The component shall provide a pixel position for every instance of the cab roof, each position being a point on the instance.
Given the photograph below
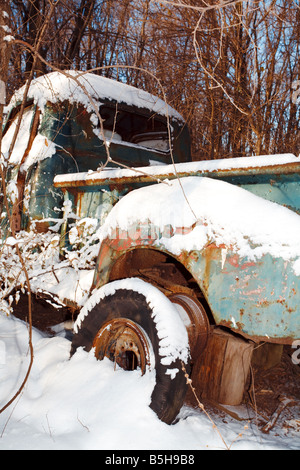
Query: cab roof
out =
(83, 87)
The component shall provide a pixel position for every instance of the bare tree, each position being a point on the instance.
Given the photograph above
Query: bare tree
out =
(227, 66)
(5, 49)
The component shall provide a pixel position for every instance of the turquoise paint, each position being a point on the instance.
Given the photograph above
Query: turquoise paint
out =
(255, 297)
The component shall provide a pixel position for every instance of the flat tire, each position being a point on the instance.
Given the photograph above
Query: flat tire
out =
(121, 323)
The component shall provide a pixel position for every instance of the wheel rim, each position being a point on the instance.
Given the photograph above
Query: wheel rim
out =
(195, 319)
(124, 343)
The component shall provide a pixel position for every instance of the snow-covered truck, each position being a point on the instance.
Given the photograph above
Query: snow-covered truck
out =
(182, 248)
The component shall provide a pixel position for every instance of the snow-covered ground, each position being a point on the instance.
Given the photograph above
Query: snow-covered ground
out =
(81, 403)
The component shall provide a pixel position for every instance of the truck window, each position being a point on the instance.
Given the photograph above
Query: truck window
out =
(132, 128)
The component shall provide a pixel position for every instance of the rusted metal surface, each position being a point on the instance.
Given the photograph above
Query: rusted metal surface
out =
(195, 320)
(124, 343)
(148, 174)
(257, 299)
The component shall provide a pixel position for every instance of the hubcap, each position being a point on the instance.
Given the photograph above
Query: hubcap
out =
(124, 343)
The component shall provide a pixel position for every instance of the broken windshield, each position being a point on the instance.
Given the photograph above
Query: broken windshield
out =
(134, 128)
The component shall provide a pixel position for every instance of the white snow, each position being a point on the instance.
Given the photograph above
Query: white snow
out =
(216, 211)
(41, 146)
(81, 403)
(9, 38)
(41, 149)
(204, 166)
(22, 137)
(62, 86)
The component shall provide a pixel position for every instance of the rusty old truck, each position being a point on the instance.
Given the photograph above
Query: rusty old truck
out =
(181, 248)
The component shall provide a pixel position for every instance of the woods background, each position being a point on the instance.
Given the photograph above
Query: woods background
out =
(229, 67)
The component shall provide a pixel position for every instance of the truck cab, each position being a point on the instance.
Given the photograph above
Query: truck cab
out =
(76, 122)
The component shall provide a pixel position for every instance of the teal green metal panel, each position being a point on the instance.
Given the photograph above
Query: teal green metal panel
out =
(284, 189)
(257, 298)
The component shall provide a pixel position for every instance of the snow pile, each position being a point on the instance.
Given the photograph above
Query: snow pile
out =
(81, 403)
(213, 211)
(41, 149)
(69, 279)
(83, 88)
(173, 338)
(21, 140)
(41, 146)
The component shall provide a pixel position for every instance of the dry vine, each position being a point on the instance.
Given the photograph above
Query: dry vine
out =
(202, 408)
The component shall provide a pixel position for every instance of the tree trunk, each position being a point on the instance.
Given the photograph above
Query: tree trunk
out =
(5, 50)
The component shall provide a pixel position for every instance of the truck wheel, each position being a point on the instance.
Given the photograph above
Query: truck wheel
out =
(134, 325)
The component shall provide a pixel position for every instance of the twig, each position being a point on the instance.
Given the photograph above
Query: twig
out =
(284, 402)
(10, 414)
(216, 6)
(50, 432)
(201, 406)
(83, 425)
(54, 274)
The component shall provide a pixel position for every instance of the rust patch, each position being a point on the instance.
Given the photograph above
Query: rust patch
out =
(122, 341)
(256, 338)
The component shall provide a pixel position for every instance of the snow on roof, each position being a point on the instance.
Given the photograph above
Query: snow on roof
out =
(75, 87)
(205, 166)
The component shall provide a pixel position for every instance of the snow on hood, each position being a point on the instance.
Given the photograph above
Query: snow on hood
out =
(75, 86)
(214, 211)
